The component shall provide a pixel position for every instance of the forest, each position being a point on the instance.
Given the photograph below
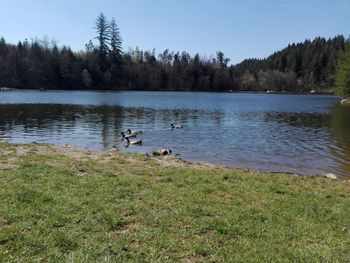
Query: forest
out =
(301, 67)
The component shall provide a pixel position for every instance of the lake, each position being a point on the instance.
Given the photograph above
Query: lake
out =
(303, 134)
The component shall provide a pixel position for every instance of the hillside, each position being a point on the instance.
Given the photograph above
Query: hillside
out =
(299, 67)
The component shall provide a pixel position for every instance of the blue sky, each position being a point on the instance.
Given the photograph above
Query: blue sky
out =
(239, 28)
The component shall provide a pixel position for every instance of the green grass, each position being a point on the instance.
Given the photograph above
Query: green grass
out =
(114, 207)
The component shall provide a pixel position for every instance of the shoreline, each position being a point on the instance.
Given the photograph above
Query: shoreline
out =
(68, 150)
(66, 204)
(326, 93)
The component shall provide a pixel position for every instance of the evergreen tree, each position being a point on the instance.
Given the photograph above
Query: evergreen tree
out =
(89, 46)
(103, 35)
(343, 74)
(313, 63)
(299, 67)
(114, 76)
(115, 39)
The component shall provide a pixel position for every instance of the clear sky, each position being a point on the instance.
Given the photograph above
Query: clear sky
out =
(239, 28)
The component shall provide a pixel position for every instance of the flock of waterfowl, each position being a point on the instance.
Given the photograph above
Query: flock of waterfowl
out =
(130, 136)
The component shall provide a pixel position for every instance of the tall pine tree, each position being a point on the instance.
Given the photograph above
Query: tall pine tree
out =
(103, 36)
(115, 39)
(115, 54)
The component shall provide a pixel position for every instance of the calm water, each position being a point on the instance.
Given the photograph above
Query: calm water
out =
(304, 134)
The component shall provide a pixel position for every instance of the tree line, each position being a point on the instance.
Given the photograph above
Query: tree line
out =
(343, 74)
(103, 64)
(301, 67)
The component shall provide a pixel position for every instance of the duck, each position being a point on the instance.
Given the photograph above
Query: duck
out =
(176, 126)
(136, 132)
(137, 142)
(128, 135)
(161, 152)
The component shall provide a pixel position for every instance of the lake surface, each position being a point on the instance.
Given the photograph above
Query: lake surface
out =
(303, 134)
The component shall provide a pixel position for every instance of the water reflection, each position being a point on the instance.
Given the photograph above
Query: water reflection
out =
(340, 132)
(299, 134)
(96, 127)
(327, 135)
(303, 119)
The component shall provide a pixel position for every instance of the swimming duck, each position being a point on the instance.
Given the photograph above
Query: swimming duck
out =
(176, 126)
(136, 132)
(128, 135)
(138, 142)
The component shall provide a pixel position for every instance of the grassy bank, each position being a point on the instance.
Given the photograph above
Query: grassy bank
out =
(63, 204)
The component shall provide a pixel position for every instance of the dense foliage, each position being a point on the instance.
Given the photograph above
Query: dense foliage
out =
(39, 63)
(343, 74)
(306, 66)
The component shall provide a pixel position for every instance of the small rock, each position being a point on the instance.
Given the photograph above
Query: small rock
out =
(146, 155)
(331, 176)
(162, 152)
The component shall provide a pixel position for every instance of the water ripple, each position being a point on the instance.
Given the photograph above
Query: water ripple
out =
(299, 134)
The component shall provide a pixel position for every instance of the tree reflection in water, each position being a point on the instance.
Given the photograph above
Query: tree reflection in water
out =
(273, 133)
(340, 132)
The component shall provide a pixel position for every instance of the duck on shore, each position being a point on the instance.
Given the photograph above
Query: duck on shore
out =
(161, 152)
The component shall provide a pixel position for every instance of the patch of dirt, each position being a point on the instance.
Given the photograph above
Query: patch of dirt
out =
(188, 259)
(74, 153)
(173, 161)
(8, 161)
(3, 222)
(8, 166)
(135, 244)
(104, 157)
(129, 227)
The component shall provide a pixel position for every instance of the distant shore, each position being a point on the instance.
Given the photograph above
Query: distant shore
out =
(227, 91)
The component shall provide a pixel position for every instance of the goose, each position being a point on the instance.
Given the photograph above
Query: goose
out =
(162, 152)
(128, 135)
(138, 142)
(176, 126)
(136, 132)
